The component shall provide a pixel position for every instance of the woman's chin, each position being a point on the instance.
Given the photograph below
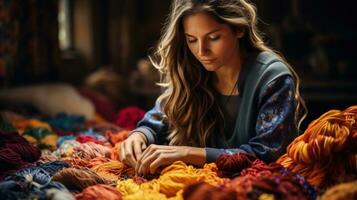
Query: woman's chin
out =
(210, 68)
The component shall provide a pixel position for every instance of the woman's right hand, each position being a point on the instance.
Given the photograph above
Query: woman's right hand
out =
(132, 148)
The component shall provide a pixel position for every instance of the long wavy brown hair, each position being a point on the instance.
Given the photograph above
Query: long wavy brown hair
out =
(188, 103)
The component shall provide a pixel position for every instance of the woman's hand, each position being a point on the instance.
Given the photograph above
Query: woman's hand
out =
(132, 148)
(156, 156)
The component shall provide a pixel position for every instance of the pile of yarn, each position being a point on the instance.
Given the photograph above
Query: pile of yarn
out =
(326, 154)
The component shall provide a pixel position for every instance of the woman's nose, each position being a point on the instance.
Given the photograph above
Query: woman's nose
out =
(202, 48)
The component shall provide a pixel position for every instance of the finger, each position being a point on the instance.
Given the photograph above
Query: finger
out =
(143, 168)
(122, 152)
(144, 154)
(143, 146)
(129, 154)
(157, 156)
(166, 158)
(160, 161)
(138, 151)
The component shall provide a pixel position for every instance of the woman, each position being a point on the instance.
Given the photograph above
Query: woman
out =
(225, 91)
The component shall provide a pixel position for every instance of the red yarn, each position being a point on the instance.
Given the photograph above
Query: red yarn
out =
(27, 152)
(283, 186)
(61, 132)
(115, 137)
(102, 105)
(235, 162)
(15, 153)
(260, 168)
(86, 138)
(205, 191)
(139, 180)
(128, 117)
(10, 158)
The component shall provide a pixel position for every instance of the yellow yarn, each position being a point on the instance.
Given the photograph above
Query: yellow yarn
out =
(146, 191)
(266, 196)
(341, 191)
(171, 182)
(176, 176)
(30, 139)
(50, 141)
(110, 170)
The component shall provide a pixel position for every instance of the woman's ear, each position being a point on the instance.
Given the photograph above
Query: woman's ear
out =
(239, 32)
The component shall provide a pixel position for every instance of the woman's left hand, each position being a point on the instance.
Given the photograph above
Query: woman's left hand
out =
(156, 156)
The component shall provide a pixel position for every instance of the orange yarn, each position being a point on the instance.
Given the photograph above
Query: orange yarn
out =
(78, 179)
(100, 191)
(324, 147)
(114, 154)
(115, 137)
(112, 170)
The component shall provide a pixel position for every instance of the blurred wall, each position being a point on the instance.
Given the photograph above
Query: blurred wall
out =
(317, 37)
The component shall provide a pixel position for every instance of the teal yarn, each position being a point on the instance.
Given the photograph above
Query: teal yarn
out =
(38, 133)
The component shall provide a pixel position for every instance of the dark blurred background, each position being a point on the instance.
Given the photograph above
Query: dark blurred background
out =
(47, 41)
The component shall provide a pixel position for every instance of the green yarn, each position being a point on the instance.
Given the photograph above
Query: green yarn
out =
(38, 133)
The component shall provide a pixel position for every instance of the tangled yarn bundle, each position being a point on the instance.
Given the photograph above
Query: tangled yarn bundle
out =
(91, 150)
(327, 149)
(341, 191)
(99, 191)
(33, 183)
(258, 180)
(229, 165)
(205, 191)
(15, 153)
(78, 179)
(171, 181)
(112, 170)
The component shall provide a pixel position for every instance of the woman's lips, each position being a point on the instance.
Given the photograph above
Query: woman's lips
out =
(207, 61)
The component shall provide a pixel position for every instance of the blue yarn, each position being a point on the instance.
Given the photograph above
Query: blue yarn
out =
(61, 139)
(66, 122)
(20, 185)
(12, 190)
(37, 175)
(40, 192)
(53, 167)
(22, 189)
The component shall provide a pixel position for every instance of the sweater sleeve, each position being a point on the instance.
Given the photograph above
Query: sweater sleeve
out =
(275, 124)
(153, 126)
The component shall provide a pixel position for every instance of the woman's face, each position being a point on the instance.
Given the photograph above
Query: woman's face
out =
(214, 44)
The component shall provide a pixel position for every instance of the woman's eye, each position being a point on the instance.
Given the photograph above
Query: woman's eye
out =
(214, 37)
(191, 40)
